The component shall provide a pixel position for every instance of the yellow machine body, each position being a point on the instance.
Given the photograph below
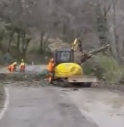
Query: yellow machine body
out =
(67, 70)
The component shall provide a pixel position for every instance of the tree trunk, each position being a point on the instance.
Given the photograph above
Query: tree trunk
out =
(10, 39)
(41, 42)
(18, 42)
(115, 37)
(27, 41)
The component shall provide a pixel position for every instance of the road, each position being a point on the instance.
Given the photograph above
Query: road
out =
(104, 107)
(36, 107)
(55, 107)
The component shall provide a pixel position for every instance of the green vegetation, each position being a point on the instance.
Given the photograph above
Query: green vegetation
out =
(2, 95)
(113, 70)
(104, 67)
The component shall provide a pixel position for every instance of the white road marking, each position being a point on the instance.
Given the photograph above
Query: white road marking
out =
(6, 103)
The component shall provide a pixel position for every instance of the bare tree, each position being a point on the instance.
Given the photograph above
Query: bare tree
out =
(117, 43)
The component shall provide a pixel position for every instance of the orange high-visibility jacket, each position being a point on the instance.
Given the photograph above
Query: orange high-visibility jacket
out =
(51, 66)
(11, 68)
(22, 66)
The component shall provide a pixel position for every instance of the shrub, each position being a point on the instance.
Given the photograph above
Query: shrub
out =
(104, 67)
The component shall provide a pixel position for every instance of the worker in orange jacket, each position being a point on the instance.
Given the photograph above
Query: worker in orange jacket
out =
(12, 67)
(22, 66)
(50, 68)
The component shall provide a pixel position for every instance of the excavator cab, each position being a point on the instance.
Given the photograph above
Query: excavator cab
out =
(67, 55)
(64, 55)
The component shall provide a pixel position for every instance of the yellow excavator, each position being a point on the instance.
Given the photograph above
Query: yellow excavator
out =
(68, 65)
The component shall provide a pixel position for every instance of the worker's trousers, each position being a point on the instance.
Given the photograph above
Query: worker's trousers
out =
(50, 76)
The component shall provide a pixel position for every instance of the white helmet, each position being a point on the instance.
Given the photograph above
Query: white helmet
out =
(15, 63)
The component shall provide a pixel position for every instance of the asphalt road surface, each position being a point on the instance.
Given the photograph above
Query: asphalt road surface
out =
(55, 107)
(36, 107)
(104, 107)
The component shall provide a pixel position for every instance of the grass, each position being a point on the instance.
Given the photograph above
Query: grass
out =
(2, 95)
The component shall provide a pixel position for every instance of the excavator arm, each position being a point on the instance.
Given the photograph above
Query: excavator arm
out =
(76, 50)
(77, 45)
